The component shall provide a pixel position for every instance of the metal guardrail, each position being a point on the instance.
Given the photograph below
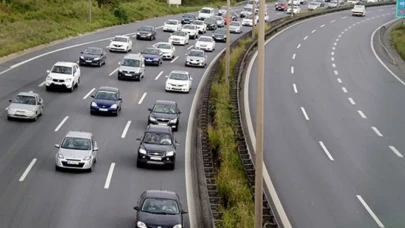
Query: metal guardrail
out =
(269, 218)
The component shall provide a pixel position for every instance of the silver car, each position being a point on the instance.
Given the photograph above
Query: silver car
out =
(220, 21)
(26, 105)
(167, 49)
(196, 58)
(235, 27)
(77, 151)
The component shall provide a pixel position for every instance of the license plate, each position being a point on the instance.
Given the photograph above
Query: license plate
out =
(162, 124)
(88, 61)
(20, 113)
(73, 162)
(128, 75)
(103, 109)
(156, 158)
(203, 45)
(148, 60)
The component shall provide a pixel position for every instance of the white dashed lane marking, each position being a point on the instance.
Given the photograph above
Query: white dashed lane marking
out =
(124, 132)
(344, 89)
(304, 113)
(322, 25)
(109, 176)
(299, 45)
(292, 70)
(377, 131)
(42, 84)
(393, 149)
(351, 101)
(339, 80)
(332, 53)
(27, 170)
(142, 98)
(326, 151)
(332, 21)
(113, 72)
(293, 57)
(190, 47)
(365, 205)
(61, 123)
(332, 59)
(362, 114)
(335, 72)
(333, 65)
(88, 94)
(305, 37)
(313, 31)
(158, 76)
(174, 59)
(295, 88)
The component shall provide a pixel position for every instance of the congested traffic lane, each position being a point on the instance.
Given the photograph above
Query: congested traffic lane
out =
(47, 198)
(330, 169)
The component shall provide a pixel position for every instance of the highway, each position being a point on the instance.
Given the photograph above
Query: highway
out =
(334, 124)
(33, 194)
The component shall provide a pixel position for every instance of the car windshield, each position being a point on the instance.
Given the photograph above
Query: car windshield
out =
(198, 22)
(157, 138)
(163, 46)
(247, 9)
(164, 108)
(151, 51)
(205, 39)
(205, 11)
(210, 21)
(220, 31)
(92, 51)
(178, 76)
(106, 95)
(359, 7)
(179, 33)
(20, 99)
(160, 206)
(189, 27)
(131, 63)
(333, 1)
(76, 143)
(218, 18)
(62, 70)
(120, 39)
(146, 28)
(171, 22)
(234, 23)
(196, 53)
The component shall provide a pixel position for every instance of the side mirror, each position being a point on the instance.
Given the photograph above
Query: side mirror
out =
(138, 139)
(48, 71)
(178, 112)
(57, 145)
(120, 99)
(149, 109)
(184, 211)
(92, 96)
(167, 76)
(10, 100)
(136, 208)
(81, 52)
(95, 149)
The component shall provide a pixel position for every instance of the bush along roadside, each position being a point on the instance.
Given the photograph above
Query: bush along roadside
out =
(398, 38)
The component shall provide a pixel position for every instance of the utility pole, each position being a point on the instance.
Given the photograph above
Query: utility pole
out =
(253, 19)
(90, 6)
(292, 8)
(228, 42)
(260, 120)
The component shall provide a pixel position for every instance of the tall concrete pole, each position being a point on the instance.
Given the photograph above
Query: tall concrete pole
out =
(228, 42)
(260, 120)
(90, 6)
(253, 19)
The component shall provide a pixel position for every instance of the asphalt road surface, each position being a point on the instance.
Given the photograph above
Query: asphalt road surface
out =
(32, 193)
(334, 124)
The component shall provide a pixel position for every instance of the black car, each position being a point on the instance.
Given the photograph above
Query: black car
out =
(146, 32)
(188, 18)
(165, 113)
(157, 208)
(157, 147)
(93, 56)
(153, 56)
(107, 100)
(219, 34)
(211, 23)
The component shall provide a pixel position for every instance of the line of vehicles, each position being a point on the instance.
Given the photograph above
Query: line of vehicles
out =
(293, 6)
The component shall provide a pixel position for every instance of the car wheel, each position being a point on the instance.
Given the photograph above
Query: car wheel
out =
(99, 63)
(71, 89)
(90, 169)
(139, 164)
(47, 88)
(36, 117)
(57, 168)
(78, 82)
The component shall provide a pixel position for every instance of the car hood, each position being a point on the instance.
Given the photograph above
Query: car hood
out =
(144, 32)
(188, 30)
(59, 76)
(90, 56)
(118, 43)
(74, 154)
(200, 26)
(170, 25)
(104, 103)
(177, 37)
(166, 50)
(155, 220)
(157, 147)
(204, 43)
(232, 27)
(220, 21)
(247, 20)
(23, 107)
(130, 69)
(195, 58)
(164, 115)
(218, 35)
(177, 82)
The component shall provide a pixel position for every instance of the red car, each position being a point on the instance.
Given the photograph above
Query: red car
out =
(281, 6)
(234, 17)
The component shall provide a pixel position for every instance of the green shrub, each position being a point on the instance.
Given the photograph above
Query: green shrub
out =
(398, 38)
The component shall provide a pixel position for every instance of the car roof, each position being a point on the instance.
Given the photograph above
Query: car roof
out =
(165, 102)
(163, 43)
(28, 94)
(158, 128)
(179, 71)
(122, 36)
(66, 64)
(133, 56)
(143, 26)
(108, 88)
(162, 194)
(196, 50)
(79, 134)
(173, 20)
(205, 37)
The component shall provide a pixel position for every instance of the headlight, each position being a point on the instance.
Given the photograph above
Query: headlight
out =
(115, 106)
(142, 151)
(213, 35)
(48, 78)
(11, 110)
(178, 226)
(173, 120)
(86, 158)
(68, 80)
(96, 59)
(119, 70)
(81, 57)
(60, 156)
(151, 118)
(156, 59)
(93, 104)
(30, 112)
(170, 153)
(138, 33)
(141, 224)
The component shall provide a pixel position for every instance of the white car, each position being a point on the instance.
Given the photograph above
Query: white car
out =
(245, 11)
(172, 26)
(179, 37)
(294, 2)
(167, 49)
(63, 74)
(206, 12)
(354, 2)
(205, 43)
(192, 30)
(179, 80)
(222, 11)
(120, 43)
(248, 20)
(235, 27)
(314, 5)
(201, 26)
(359, 10)
(294, 10)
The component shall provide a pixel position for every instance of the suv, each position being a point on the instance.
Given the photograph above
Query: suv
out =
(206, 12)
(77, 151)
(132, 66)
(165, 113)
(63, 74)
(159, 208)
(157, 147)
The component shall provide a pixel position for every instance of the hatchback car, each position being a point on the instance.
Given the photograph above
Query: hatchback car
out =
(77, 151)
(25, 105)
(157, 147)
(167, 49)
(107, 100)
(179, 81)
(191, 30)
(146, 32)
(159, 208)
(219, 35)
(201, 26)
(153, 56)
(196, 57)
(132, 66)
(165, 113)
(93, 56)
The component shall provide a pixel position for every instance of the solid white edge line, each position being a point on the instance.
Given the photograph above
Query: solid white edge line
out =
(42, 84)
(61, 123)
(351, 101)
(292, 70)
(305, 113)
(109, 176)
(396, 151)
(125, 131)
(143, 97)
(378, 58)
(298, 46)
(88, 94)
(295, 88)
(368, 209)
(174, 59)
(362, 114)
(113, 71)
(326, 151)
(377, 131)
(27, 170)
(293, 57)
(158, 76)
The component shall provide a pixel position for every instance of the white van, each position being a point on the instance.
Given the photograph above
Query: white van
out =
(206, 12)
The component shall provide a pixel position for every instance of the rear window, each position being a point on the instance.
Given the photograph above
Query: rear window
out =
(205, 11)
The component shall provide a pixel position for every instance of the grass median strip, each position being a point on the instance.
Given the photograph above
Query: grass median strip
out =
(398, 38)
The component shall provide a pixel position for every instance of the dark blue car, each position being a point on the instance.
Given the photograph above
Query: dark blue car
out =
(153, 56)
(107, 100)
